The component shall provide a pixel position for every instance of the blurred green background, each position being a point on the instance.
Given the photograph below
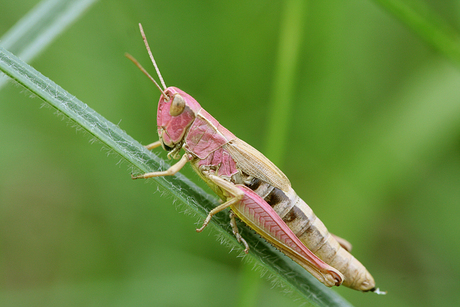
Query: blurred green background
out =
(373, 148)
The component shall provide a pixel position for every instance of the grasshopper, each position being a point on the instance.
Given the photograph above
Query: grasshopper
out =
(254, 189)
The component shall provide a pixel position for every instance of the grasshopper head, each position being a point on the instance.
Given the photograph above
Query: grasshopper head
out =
(176, 109)
(176, 112)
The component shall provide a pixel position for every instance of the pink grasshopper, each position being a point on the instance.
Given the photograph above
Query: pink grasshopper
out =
(255, 190)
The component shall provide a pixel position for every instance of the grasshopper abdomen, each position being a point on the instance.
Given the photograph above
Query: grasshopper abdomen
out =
(302, 221)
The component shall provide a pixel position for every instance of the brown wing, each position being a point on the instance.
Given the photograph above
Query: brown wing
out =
(253, 163)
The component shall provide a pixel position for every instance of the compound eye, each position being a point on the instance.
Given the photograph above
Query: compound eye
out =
(177, 105)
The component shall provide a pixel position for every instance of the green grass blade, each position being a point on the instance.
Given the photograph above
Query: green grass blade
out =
(288, 273)
(38, 28)
(428, 25)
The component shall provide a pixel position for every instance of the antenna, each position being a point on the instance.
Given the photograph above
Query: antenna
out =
(146, 73)
(151, 56)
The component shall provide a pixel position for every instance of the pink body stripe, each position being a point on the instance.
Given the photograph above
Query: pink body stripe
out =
(260, 213)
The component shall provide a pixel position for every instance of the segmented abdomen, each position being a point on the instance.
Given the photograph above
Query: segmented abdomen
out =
(300, 218)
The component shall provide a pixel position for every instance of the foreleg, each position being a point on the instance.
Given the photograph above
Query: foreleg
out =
(153, 145)
(169, 172)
